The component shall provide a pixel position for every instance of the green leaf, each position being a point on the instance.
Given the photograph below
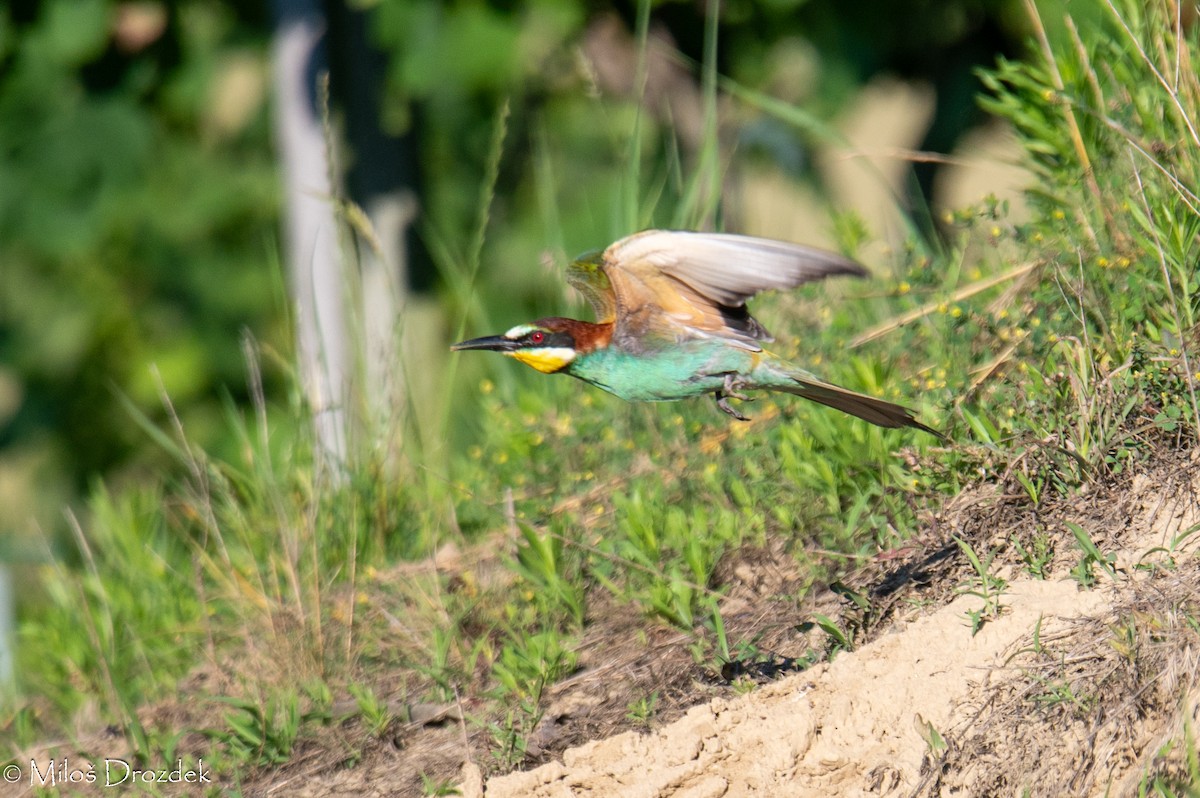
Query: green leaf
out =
(74, 31)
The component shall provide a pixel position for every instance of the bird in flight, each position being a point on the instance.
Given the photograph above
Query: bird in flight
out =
(672, 323)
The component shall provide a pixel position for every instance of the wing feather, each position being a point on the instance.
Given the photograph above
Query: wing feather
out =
(686, 284)
(587, 275)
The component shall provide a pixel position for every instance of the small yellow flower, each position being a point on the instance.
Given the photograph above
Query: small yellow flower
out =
(486, 386)
(995, 231)
(943, 307)
(1102, 262)
(956, 311)
(474, 452)
(500, 458)
(1059, 214)
(903, 288)
(1035, 322)
(562, 426)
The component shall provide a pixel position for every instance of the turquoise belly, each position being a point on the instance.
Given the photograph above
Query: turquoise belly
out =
(677, 373)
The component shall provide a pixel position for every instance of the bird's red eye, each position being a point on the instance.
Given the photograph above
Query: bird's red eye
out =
(537, 336)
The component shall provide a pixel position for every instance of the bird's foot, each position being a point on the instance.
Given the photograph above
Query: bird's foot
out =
(723, 403)
(730, 389)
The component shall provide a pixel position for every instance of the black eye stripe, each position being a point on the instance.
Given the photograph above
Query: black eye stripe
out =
(550, 339)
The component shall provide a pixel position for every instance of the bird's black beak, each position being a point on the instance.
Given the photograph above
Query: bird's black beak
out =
(496, 343)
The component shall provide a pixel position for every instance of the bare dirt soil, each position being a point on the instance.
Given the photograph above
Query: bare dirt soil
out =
(1068, 691)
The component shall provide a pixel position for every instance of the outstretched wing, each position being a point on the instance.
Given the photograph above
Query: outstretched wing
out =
(686, 285)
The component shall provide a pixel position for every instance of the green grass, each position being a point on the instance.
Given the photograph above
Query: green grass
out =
(984, 585)
(1053, 353)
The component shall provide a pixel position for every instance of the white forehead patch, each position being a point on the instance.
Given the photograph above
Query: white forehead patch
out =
(519, 330)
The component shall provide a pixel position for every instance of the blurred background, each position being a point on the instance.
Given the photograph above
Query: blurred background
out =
(458, 154)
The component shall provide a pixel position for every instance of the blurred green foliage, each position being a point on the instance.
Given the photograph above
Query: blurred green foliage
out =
(138, 203)
(584, 164)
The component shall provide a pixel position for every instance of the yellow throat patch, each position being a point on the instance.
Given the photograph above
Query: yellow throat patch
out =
(547, 360)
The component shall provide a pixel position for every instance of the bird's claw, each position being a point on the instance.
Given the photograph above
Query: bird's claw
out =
(723, 403)
(730, 391)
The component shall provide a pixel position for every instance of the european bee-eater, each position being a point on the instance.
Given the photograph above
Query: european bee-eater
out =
(672, 323)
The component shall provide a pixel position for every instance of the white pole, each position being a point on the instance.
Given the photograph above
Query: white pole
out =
(311, 244)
